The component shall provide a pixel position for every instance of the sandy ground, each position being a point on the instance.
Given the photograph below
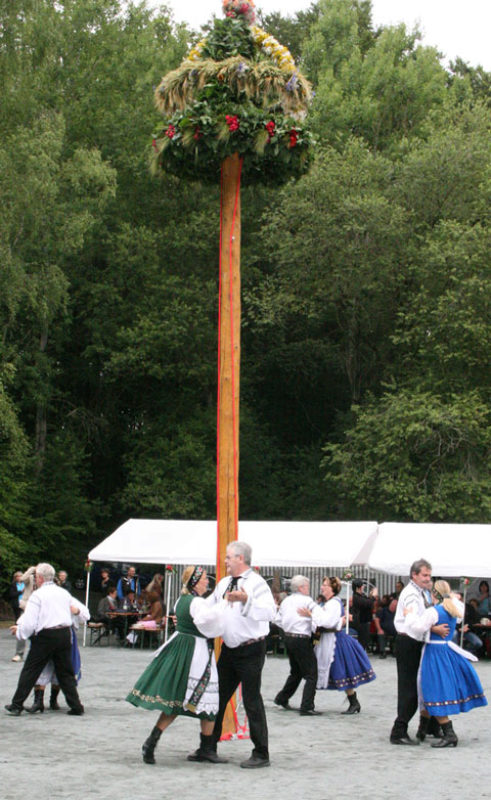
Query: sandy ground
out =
(55, 756)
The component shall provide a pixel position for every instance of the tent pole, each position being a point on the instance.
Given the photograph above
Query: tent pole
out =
(87, 604)
(463, 620)
(348, 585)
(169, 585)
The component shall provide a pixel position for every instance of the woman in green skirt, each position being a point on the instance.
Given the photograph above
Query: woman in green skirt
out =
(181, 679)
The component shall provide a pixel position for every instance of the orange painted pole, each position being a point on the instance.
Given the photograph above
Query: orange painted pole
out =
(229, 363)
(228, 382)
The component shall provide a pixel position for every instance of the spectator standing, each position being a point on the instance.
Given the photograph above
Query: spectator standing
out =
(362, 610)
(106, 581)
(63, 581)
(29, 583)
(128, 583)
(384, 623)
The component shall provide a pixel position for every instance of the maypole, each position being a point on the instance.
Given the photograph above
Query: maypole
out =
(233, 113)
(228, 360)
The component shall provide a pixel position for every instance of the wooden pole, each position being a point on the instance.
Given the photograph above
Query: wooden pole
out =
(229, 363)
(228, 383)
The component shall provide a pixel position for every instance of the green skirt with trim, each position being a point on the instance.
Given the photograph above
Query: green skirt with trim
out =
(166, 680)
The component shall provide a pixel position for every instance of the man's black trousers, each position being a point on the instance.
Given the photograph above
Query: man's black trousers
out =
(55, 644)
(303, 664)
(408, 655)
(244, 665)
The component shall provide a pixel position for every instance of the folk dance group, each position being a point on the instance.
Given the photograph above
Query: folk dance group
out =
(183, 678)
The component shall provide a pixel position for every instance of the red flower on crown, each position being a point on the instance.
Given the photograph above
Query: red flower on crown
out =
(232, 122)
(293, 137)
(270, 127)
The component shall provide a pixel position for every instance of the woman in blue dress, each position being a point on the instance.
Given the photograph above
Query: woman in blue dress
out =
(181, 679)
(447, 683)
(342, 663)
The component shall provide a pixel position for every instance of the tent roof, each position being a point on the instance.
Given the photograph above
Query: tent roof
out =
(452, 550)
(299, 544)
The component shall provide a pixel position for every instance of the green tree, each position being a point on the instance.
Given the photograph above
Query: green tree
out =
(413, 456)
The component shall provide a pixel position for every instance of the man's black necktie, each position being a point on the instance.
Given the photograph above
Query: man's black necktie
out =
(232, 585)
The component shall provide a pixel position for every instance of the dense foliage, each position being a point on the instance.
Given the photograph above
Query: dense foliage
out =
(366, 286)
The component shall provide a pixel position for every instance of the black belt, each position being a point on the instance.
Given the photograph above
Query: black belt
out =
(249, 641)
(55, 628)
(298, 635)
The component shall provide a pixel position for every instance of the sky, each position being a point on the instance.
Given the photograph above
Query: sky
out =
(455, 27)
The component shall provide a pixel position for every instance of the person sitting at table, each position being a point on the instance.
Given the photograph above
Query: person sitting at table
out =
(107, 612)
(471, 639)
(156, 609)
(155, 585)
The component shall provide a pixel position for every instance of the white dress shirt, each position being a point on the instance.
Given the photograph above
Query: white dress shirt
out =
(288, 618)
(47, 607)
(243, 622)
(412, 596)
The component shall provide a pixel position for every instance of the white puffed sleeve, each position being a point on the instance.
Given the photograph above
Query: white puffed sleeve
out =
(208, 619)
(420, 624)
(327, 616)
(84, 614)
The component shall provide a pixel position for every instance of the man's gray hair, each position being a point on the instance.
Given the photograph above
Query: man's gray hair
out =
(46, 571)
(242, 549)
(417, 566)
(297, 581)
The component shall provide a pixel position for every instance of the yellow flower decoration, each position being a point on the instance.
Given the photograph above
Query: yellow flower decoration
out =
(268, 44)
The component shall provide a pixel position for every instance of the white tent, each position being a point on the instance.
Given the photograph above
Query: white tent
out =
(452, 550)
(274, 544)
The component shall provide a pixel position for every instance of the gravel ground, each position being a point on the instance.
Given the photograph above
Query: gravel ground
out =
(55, 756)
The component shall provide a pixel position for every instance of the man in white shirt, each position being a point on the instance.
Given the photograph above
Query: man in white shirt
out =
(298, 640)
(249, 611)
(47, 621)
(408, 649)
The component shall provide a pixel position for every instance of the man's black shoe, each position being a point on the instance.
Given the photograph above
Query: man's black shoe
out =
(254, 762)
(310, 712)
(14, 711)
(283, 704)
(76, 712)
(406, 740)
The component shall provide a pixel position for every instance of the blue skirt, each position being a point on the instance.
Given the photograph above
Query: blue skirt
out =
(449, 682)
(350, 667)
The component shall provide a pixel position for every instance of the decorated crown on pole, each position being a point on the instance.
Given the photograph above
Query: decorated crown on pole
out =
(237, 91)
